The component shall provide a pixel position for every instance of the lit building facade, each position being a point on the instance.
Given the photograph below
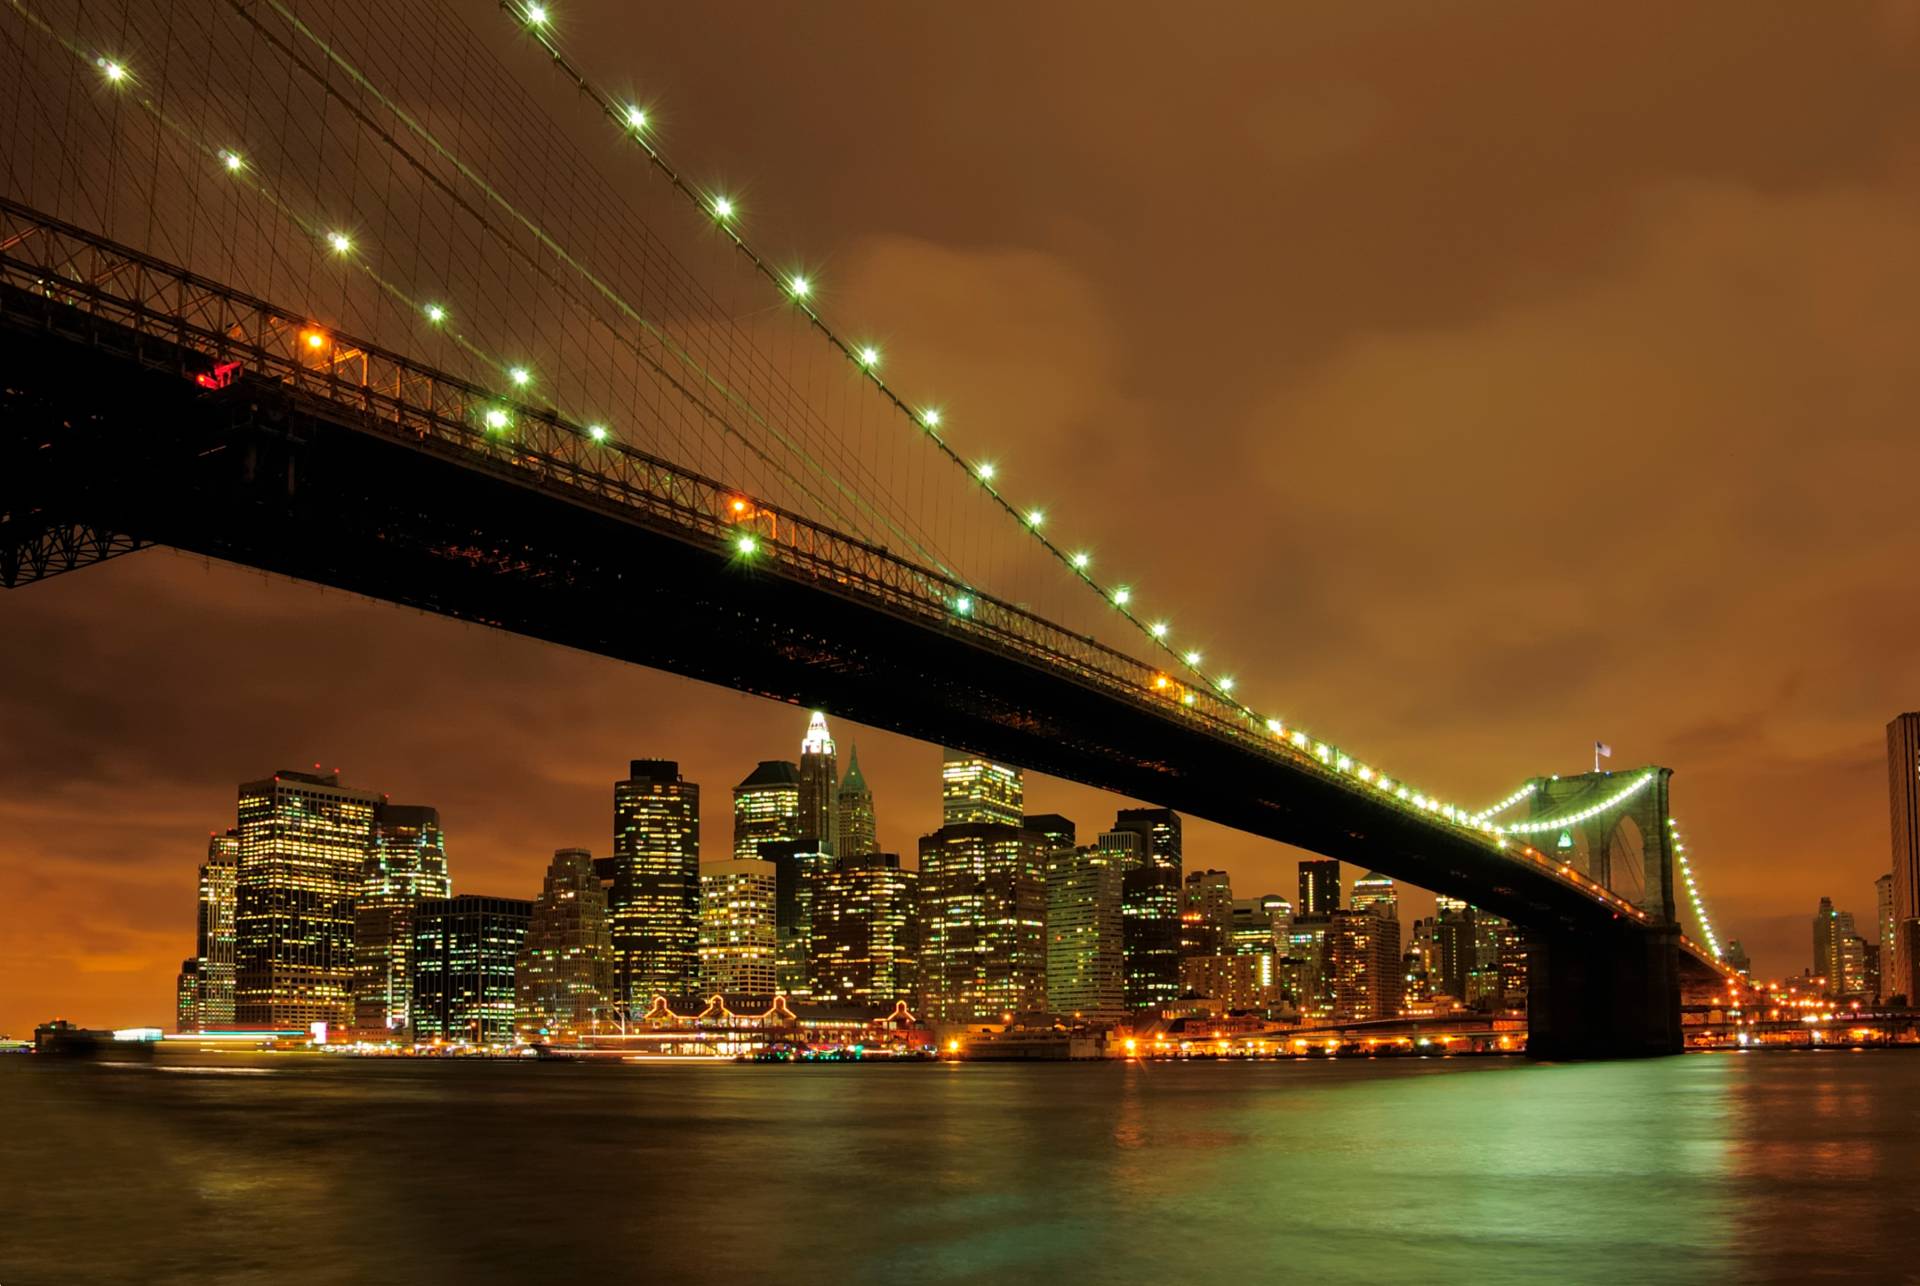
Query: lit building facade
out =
(563, 974)
(1086, 942)
(1375, 892)
(865, 931)
(976, 790)
(1319, 887)
(1241, 983)
(656, 884)
(819, 786)
(406, 865)
(213, 972)
(766, 807)
(1839, 953)
(1150, 839)
(797, 866)
(303, 841)
(1206, 914)
(1363, 950)
(465, 949)
(186, 997)
(859, 824)
(983, 890)
(739, 944)
(1884, 926)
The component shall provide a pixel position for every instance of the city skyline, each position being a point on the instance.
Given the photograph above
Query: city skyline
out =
(1418, 650)
(969, 790)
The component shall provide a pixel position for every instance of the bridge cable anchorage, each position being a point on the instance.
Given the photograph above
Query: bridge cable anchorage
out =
(800, 290)
(666, 341)
(1693, 890)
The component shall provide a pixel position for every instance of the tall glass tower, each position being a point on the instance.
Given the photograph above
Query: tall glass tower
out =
(406, 865)
(213, 934)
(766, 807)
(303, 841)
(1150, 841)
(656, 883)
(859, 829)
(973, 789)
(819, 785)
(563, 976)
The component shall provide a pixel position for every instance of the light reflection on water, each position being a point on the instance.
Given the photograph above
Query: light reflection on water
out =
(1705, 1168)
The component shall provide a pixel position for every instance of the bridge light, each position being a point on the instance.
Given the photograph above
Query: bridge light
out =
(232, 161)
(868, 356)
(1121, 595)
(1187, 698)
(537, 14)
(313, 339)
(598, 432)
(114, 72)
(1192, 658)
(1226, 683)
(930, 417)
(436, 314)
(1080, 561)
(799, 287)
(985, 470)
(496, 418)
(636, 118)
(1035, 517)
(1158, 629)
(746, 545)
(722, 208)
(963, 605)
(340, 242)
(1275, 727)
(520, 376)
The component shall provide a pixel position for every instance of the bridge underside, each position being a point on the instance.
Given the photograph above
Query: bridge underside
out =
(100, 454)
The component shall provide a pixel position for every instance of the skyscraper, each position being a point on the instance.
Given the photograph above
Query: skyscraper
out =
(865, 931)
(1364, 954)
(1839, 953)
(1151, 901)
(739, 946)
(859, 826)
(1374, 890)
(1884, 927)
(797, 865)
(563, 974)
(819, 786)
(186, 997)
(1903, 793)
(213, 973)
(406, 864)
(1206, 914)
(464, 952)
(1319, 886)
(983, 910)
(973, 789)
(766, 807)
(656, 883)
(303, 841)
(1453, 946)
(1086, 944)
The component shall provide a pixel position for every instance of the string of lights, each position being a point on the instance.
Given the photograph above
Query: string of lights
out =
(1693, 889)
(723, 212)
(1537, 825)
(1496, 809)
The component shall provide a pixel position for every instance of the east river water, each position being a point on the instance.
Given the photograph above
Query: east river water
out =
(303, 1169)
